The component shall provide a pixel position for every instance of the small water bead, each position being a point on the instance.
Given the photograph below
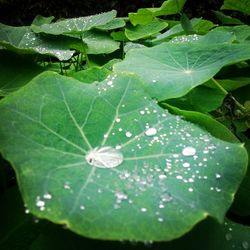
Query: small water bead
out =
(186, 164)
(128, 134)
(228, 236)
(47, 196)
(109, 83)
(190, 189)
(189, 151)
(151, 132)
(162, 176)
(245, 245)
(218, 176)
(160, 219)
(118, 119)
(26, 211)
(82, 207)
(66, 185)
(143, 209)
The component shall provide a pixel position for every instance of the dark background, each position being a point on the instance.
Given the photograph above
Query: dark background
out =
(20, 12)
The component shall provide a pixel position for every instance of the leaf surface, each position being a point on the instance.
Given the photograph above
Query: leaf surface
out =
(108, 162)
(172, 70)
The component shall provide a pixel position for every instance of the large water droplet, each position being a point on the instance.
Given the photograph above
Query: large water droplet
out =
(128, 134)
(104, 157)
(151, 132)
(189, 151)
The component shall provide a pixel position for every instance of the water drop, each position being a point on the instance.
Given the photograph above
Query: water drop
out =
(189, 151)
(82, 207)
(151, 132)
(218, 176)
(186, 164)
(109, 83)
(190, 189)
(27, 211)
(143, 209)
(228, 236)
(117, 119)
(128, 134)
(245, 245)
(160, 219)
(47, 196)
(162, 176)
(104, 157)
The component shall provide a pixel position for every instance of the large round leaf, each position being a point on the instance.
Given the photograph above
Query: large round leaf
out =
(108, 162)
(172, 70)
(22, 40)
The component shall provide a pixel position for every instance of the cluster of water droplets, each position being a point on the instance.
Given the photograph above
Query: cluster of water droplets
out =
(185, 39)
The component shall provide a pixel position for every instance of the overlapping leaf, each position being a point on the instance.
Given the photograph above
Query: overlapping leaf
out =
(172, 70)
(23, 40)
(65, 138)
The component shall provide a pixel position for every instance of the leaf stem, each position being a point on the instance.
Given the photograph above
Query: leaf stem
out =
(224, 91)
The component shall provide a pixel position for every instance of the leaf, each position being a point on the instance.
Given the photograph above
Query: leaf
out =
(142, 31)
(212, 37)
(99, 42)
(75, 25)
(92, 74)
(108, 162)
(113, 24)
(241, 32)
(228, 20)
(214, 127)
(23, 40)
(199, 25)
(24, 68)
(242, 5)
(146, 15)
(211, 100)
(172, 70)
(40, 20)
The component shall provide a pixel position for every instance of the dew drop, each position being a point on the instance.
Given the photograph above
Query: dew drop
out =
(189, 151)
(143, 209)
(128, 134)
(218, 176)
(245, 245)
(160, 219)
(82, 207)
(162, 176)
(47, 196)
(27, 211)
(104, 157)
(190, 189)
(40, 203)
(186, 164)
(151, 132)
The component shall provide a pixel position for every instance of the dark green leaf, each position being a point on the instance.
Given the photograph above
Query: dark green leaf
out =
(108, 162)
(242, 5)
(172, 70)
(228, 20)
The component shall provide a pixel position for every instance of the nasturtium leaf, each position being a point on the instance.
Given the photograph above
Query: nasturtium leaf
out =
(200, 26)
(92, 74)
(227, 20)
(211, 99)
(171, 70)
(212, 37)
(241, 32)
(143, 31)
(15, 71)
(22, 40)
(113, 24)
(242, 5)
(108, 162)
(99, 42)
(40, 20)
(76, 25)
(146, 15)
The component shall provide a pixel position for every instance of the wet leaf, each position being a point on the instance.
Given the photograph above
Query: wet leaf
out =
(108, 162)
(172, 70)
(227, 20)
(75, 25)
(22, 40)
(146, 15)
(142, 31)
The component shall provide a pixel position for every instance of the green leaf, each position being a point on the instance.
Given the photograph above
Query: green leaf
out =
(172, 70)
(108, 162)
(211, 100)
(146, 15)
(228, 20)
(241, 32)
(142, 31)
(76, 25)
(113, 24)
(40, 20)
(22, 40)
(212, 37)
(242, 5)
(92, 74)
(217, 129)
(24, 70)
(200, 26)
(99, 42)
